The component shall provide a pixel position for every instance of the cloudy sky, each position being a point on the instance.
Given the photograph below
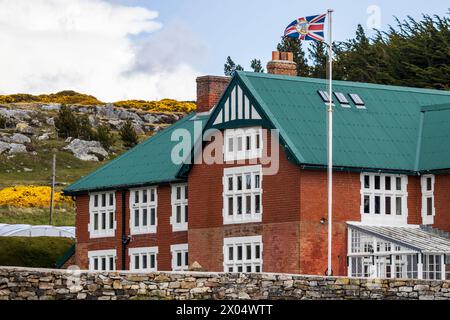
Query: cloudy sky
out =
(151, 49)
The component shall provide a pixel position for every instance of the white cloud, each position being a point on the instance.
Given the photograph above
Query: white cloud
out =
(111, 51)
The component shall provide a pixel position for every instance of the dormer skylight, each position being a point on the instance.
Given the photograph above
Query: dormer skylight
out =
(357, 100)
(324, 95)
(342, 99)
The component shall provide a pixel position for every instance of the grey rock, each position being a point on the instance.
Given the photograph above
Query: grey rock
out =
(23, 127)
(149, 118)
(17, 148)
(138, 128)
(20, 138)
(87, 150)
(50, 121)
(107, 111)
(51, 107)
(18, 114)
(44, 136)
(4, 147)
(68, 140)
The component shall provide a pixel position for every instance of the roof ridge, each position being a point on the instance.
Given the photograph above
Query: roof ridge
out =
(127, 153)
(346, 83)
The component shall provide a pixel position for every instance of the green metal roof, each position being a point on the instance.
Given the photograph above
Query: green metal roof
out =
(385, 135)
(435, 138)
(146, 164)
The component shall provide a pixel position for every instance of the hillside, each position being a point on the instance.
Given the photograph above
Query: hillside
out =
(29, 138)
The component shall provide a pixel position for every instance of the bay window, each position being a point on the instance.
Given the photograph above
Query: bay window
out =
(143, 208)
(179, 219)
(428, 209)
(243, 254)
(102, 260)
(243, 143)
(242, 194)
(384, 198)
(102, 209)
(180, 257)
(143, 259)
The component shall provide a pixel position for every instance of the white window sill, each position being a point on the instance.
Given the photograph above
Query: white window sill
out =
(427, 220)
(242, 221)
(179, 227)
(138, 231)
(384, 220)
(102, 234)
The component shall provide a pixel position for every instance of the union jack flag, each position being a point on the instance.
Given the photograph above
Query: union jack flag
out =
(307, 28)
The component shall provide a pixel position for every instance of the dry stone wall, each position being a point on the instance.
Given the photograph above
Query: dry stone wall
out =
(44, 284)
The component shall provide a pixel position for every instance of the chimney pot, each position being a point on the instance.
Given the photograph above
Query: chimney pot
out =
(282, 63)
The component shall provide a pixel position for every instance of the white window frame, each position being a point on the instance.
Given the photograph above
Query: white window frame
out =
(142, 206)
(102, 254)
(183, 203)
(427, 194)
(143, 253)
(382, 218)
(235, 194)
(183, 249)
(103, 215)
(235, 143)
(234, 264)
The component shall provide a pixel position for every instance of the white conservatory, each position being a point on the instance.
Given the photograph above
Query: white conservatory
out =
(406, 252)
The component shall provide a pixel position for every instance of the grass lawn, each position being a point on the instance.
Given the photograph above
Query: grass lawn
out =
(64, 216)
(35, 252)
(68, 168)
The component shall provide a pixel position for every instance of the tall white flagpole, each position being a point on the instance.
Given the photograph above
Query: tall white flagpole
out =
(330, 141)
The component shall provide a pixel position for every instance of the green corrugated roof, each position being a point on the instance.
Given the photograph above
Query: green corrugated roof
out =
(385, 135)
(435, 138)
(147, 163)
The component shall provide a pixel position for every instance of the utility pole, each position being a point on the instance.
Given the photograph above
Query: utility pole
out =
(52, 195)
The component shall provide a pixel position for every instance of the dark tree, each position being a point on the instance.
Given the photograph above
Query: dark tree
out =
(295, 46)
(66, 123)
(230, 67)
(256, 65)
(105, 136)
(128, 135)
(319, 58)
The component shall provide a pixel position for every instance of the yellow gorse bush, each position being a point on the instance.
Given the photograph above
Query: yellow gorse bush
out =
(164, 105)
(30, 196)
(72, 97)
(63, 97)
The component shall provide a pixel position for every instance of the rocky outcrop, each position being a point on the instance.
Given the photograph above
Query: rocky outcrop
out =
(19, 138)
(12, 148)
(87, 150)
(39, 284)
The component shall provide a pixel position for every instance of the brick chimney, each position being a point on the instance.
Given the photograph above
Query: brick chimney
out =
(282, 63)
(209, 91)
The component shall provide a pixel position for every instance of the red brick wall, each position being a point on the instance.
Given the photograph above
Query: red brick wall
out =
(280, 222)
(209, 91)
(163, 238)
(313, 234)
(414, 200)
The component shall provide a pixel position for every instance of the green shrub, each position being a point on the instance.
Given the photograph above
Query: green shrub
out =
(128, 135)
(36, 252)
(66, 123)
(85, 130)
(104, 136)
(2, 122)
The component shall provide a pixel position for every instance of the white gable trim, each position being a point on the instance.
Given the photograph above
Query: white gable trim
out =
(237, 107)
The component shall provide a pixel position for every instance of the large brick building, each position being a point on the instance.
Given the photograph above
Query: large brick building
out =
(250, 166)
